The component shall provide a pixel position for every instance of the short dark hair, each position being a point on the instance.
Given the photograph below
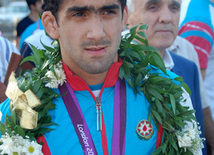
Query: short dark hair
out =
(29, 2)
(54, 5)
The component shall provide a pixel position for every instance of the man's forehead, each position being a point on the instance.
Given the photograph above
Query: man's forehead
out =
(92, 3)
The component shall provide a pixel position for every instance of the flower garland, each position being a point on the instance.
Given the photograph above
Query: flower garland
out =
(163, 94)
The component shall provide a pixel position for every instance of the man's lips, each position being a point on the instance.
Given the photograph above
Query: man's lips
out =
(96, 50)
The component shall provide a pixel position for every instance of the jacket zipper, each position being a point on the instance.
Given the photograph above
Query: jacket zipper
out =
(99, 113)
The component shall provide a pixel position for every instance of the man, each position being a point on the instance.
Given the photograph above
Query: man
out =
(162, 18)
(35, 7)
(89, 34)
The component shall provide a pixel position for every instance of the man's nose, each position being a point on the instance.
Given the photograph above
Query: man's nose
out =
(96, 28)
(165, 15)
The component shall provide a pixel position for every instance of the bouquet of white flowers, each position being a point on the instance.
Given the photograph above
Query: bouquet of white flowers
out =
(16, 144)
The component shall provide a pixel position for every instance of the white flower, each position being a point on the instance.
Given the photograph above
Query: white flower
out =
(52, 80)
(33, 148)
(51, 84)
(16, 145)
(146, 77)
(55, 78)
(50, 75)
(190, 139)
(60, 77)
(192, 133)
(184, 141)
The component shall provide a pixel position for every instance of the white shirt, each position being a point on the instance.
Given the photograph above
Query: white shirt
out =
(209, 82)
(37, 37)
(6, 50)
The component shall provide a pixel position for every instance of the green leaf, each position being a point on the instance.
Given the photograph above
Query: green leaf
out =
(133, 30)
(128, 64)
(157, 116)
(36, 55)
(156, 94)
(143, 27)
(39, 93)
(186, 87)
(187, 113)
(159, 105)
(157, 151)
(139, 79)
(37, 85)
(180, 79)
(142, 40)
(121, 73)
(142, 34)
(44, 130)
(2, 128)
(158, 61)
(172, 100)
(28, 58)
(47, 47)
(48, 124)
(173, 143)
(156, 79)
(13, 116)
(20, 131)
(164, 146)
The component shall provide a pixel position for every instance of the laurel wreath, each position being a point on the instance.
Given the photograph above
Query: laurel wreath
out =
(163, 93)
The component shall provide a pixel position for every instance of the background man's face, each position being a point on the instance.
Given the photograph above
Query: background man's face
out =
(162, 18)
(38, 6)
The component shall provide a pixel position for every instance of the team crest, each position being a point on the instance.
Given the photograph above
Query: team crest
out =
(144, 130)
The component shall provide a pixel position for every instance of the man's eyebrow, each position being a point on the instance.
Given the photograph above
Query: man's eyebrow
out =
(176, 3)
(78, 8)
(91, 8)
(149, 2)
(109, 7)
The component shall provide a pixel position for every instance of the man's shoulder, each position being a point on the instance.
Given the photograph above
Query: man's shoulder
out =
(181, 61)
(169, 74)
(8, 46)
(25, 22)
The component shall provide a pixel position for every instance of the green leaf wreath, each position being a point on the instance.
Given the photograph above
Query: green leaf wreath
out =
(163, 94)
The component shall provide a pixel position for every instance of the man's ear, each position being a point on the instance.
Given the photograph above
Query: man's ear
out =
(125, 17)
(50, 24)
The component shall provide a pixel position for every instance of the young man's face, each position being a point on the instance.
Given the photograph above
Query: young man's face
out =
(38, 6)
(89, 32)
(162, 18)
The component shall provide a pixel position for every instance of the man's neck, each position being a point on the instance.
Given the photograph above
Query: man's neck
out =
(162, 51)
(92, 79)
(34, 16)
(81, 81)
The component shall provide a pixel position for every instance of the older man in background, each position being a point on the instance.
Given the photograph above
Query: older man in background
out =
(162, 18)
